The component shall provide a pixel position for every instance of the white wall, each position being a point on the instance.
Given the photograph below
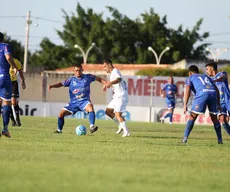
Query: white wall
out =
(134, 113)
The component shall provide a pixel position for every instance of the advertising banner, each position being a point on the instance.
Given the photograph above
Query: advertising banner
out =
(133, 113)
(144, 91)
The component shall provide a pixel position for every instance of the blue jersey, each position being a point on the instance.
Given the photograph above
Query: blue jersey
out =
(201, 84)
(79, 88)
(170, 90)
(4, 65)
(223, 87)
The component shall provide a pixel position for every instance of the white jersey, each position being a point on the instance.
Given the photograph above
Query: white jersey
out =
(119, 89)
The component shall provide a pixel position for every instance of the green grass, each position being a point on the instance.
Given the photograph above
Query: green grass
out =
(152, 159)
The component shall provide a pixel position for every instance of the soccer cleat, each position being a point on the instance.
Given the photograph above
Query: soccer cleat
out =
(13, 124)
(127, 134)
(162, 119)
(58, 131)
(119, 130)
(93, 129)
(184, 140)
(220, 142)
(6, 134)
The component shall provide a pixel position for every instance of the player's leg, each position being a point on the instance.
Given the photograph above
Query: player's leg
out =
(213, 111)
(198, 107)
(61, 117)
(223, 116)
(224, 123)
(170, 105)
(110, 112)
(13, 112)
(15, 102)
(0, 107)
(120, 107)
(217, 128)
(5, 94)
(88, 107)
(189, 126)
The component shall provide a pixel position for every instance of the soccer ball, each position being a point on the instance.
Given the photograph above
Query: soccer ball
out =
(81, 130)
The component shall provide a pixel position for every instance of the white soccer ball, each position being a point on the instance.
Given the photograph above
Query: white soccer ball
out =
(81, 130)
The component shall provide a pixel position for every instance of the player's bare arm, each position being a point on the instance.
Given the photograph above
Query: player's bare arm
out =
(57, 85)
(101, 80)
(11, 61)
(104, 82)
(23, 83)
(110, 83)
(186, 97)
(220, 79)
(162, 93)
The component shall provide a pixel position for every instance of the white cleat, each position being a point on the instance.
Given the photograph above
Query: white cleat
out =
(162, 119)
(127, 134)
(119, 131)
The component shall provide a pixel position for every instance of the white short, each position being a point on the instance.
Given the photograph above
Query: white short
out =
(118, 104)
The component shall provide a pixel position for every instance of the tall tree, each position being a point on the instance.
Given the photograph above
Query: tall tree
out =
(17, 49)
(120, 38)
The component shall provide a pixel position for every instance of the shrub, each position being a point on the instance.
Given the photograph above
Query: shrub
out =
(163, 72)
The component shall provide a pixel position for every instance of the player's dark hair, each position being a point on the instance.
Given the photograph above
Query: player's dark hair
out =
(77, 65)
(1, 37)
(212, 64)
(107, 61)
(193, 68)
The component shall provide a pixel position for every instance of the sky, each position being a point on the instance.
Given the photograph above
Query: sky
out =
(47, 17)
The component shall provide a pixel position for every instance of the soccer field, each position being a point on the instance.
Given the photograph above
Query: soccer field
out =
(152, 159)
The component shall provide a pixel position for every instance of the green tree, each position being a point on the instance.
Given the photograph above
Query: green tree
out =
(17, 49)
(51, 57)
(120, 38)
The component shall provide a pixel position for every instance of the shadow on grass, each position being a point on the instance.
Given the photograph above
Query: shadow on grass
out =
(157, 137)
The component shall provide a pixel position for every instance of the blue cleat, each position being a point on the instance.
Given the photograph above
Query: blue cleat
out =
(184, 140)
(58, 131)
(93, 129)
(220, 142)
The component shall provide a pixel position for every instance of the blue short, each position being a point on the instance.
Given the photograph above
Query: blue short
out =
(225, 109)
(170, 103)
(74, 107)
(200, 103)
(5, 89)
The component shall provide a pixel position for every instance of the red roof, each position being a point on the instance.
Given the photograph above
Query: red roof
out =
(99, 67)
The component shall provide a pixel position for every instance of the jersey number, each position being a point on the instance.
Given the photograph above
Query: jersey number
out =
(204, 81)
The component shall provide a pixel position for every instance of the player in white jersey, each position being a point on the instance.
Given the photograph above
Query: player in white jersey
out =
(120, 97)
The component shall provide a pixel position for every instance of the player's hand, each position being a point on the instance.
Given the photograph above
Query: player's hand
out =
(15, 72)
(108, 84)
(162, 95)
(49, 87)
(185, 109)
(23, 84)
(104, 88)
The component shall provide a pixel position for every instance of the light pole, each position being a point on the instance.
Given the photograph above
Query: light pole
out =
(28, 22)
(26, 48)
(84, 54)
(158, 59)
(218, 52)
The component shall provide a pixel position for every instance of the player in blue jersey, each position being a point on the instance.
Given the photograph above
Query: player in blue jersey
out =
(5, 83)
(206, 95)
(221, 81)
(169, 91)
(79, 93)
